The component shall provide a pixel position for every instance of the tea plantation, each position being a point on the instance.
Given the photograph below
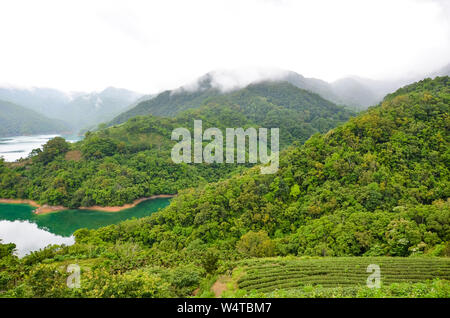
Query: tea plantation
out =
(270, 274)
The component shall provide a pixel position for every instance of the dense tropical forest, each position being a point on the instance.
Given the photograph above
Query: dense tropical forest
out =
(119, 164)
(16, 120)
(373, 187)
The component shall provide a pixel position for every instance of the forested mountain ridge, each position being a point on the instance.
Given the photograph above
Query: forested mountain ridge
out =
(171, 103)
(353, 91)
(377, 185)
(118, 164)
(16, 120)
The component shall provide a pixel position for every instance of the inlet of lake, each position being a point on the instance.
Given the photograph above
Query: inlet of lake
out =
(13, 148)
(31, 232)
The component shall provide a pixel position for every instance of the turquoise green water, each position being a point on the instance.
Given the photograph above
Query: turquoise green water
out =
(64, 223)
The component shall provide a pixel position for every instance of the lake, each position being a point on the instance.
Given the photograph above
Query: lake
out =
(13, 148)
(31, 232)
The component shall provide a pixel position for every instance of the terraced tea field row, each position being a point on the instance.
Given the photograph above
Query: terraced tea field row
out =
(266, 275)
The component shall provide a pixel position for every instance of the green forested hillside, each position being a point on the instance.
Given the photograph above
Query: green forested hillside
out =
(378, 185)
(16, 120)
(119, 164)
(375, 186)
(272, 95)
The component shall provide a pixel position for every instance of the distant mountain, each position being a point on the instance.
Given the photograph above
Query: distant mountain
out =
(43, 100)
(91, 109)
(362, 92)
(359, 92)
(354, 91)
(141, 99)
(16, 120)
(79, 109)
(315, 85)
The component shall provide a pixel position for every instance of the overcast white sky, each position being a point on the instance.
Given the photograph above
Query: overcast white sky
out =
(153, 45)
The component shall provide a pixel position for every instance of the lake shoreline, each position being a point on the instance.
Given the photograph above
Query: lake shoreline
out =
(45, 208)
